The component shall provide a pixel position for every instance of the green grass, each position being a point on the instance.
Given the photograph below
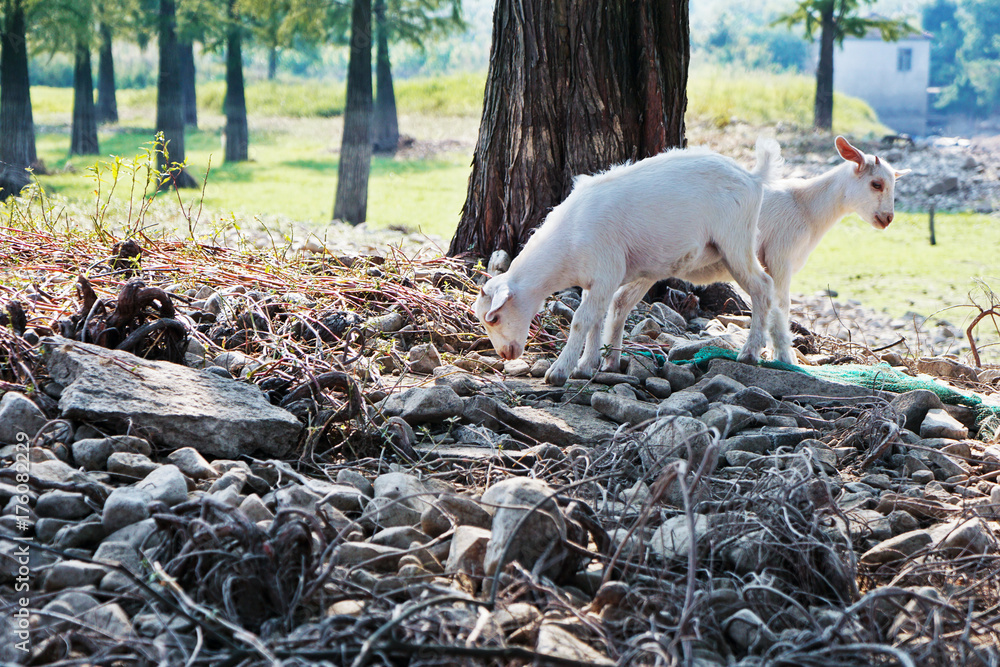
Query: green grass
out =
(898, 270)
(719, 96)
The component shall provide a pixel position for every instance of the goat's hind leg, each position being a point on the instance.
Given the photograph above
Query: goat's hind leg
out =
(747, 271)
(622, 303)
(781, 337)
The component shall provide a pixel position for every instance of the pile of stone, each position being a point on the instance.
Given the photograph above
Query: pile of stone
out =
(724, 514)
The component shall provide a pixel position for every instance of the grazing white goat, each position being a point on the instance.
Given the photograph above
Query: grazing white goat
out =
(686, 213)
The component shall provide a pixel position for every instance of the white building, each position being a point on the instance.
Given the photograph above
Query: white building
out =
(891, 76)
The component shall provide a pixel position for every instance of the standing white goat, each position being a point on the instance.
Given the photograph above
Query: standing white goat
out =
(685, 213)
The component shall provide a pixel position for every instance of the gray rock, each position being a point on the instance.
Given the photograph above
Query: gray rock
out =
(642, 367)
(971, 537)
(673, 538)
(658, 387)
(450, 509)
(357, 480)
(944, 185)
(79, 535)
(46, 529)
(464, 383)
(296, 496)
(561, 425)
(190, 462)
(112, 619)
(679, 377)
(937, 423)
(424, 358)
(57, 471)
(520, 531)
(622, 410)
(728, 419)
(126, 505)
(254, 509)
(344, 497)
(754, 399)
(165, 484)
(680, 436)
(516, 368)
(131, 465)
(140, 535)
(739, 458)
(684, 351)
(748, 631)
(897, 548)
(467, 553)
(234, 478)
(686, 402)
(787, 436)
(20, 418)
(73, 574)
(913, 405)
(424, 404)
(384, 512)
(667, 316)
(62, 505)
(176, 405)
(119, 553)
(780, 384)
(554, 640)
(714, 387)
(368, 556)
(92, 453)
(399, 537)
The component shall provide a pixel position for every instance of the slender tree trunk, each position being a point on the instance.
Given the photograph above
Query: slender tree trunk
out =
(272, 62)
(17, 129)
(574, 86)
(107, 101)
(351, 203)
(386, 120)
(823, 110)
(83, 135)
(169, 100)
(237, 136)
(185, 52)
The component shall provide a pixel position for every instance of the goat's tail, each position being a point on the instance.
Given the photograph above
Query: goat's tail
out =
(769, 160)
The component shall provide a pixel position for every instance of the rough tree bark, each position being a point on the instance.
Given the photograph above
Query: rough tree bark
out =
(351, 203)
(17, 129)
(574, 86)
(823, 107)
(169, 101)
(83, 132)
(386, 120)
(185, 51)
(272, 62)
(107, 100)
(237, 135)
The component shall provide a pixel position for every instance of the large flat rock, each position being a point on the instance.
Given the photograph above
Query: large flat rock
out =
(786, 383)
(171, 405)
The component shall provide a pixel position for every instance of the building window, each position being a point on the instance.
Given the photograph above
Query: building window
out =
(904, 60)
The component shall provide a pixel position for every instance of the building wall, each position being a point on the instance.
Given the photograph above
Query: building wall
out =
(870, 69)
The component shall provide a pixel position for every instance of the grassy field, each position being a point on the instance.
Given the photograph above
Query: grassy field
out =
(295, 138)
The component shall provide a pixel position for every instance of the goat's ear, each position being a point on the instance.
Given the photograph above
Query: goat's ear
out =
(850, 153)
(500, 297)
(900, 174)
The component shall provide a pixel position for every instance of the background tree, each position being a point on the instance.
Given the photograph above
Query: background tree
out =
(189, 90)
(351, 203)
(835, 20)
(107, 96)
(17, 128)
(977, 79)
(235, 105)
(169, 102)
(572, 89)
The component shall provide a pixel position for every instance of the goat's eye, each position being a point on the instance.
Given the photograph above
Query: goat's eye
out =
(877, 185)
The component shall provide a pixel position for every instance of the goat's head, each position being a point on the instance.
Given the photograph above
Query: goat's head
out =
(504, 316)
(873, 182)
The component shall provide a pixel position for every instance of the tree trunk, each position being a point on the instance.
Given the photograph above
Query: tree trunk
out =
(83, 134)
(185, 52)
(169, 101)
(272, 62)
(17, 129)
(574, 87)
(237, 135)
(351, 203)
(107, 102)
(823, 110)
(386, 121)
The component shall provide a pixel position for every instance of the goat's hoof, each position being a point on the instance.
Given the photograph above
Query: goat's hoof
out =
(555, 376)
(787, 357)
(612, 364)
(748, 357)
(584, 372)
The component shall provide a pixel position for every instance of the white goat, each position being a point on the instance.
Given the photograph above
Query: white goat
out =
(685, 213)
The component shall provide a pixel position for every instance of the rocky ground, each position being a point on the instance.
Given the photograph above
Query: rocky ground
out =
(335, 469)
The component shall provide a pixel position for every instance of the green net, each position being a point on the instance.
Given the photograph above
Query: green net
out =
(880, 377)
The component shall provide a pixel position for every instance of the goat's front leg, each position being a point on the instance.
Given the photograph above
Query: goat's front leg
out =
(781, 337)
(586, 319)
(614, 325)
